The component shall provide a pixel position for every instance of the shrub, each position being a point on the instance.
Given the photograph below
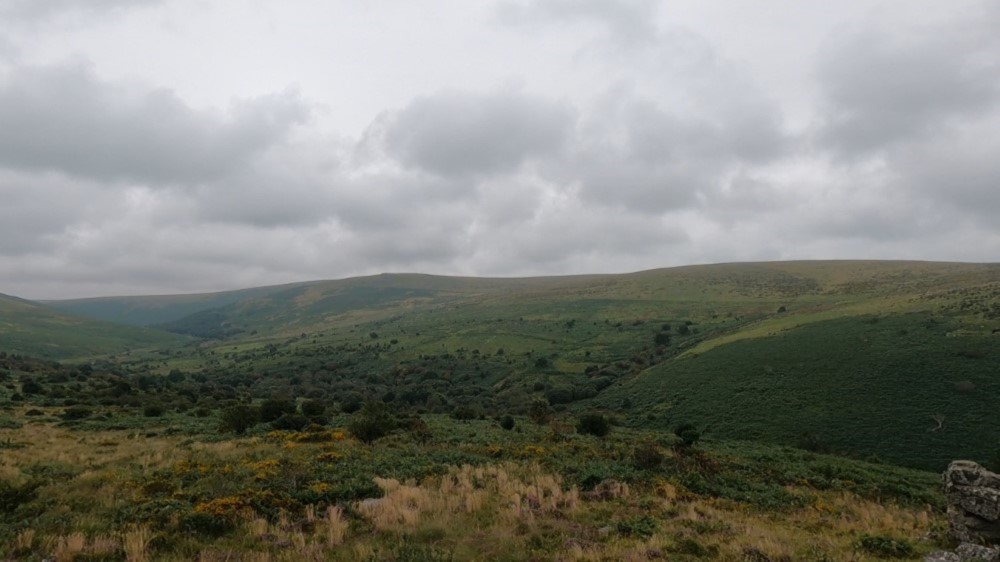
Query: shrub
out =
(274, 408)
(642, 526)
(12, 496)
(647, 456)
(372, 422)
(206, 524)
(593, 424)
(312, 408)
(507, 422)
(885, 547)
(238, 419)
(540, 412)
(291, 422)
(687, 433)
(152, 411)
(463, 413)
(76, 413)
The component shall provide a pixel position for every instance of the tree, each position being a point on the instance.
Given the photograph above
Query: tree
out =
(372, 422)
(239, 418)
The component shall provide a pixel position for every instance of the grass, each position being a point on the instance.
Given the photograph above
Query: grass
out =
(470, 490)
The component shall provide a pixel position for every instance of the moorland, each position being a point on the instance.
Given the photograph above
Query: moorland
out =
(754, 411)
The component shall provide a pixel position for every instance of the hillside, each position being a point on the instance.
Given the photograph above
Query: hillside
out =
(31, 329)
(854, 357)
(155, 309)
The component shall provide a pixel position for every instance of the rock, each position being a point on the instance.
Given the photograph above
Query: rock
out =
(942, 556)
(969, 551)
(973, 495)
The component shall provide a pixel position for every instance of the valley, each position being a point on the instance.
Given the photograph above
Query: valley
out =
(728, 400)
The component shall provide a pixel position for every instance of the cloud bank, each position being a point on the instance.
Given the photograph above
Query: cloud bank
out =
(616, 137)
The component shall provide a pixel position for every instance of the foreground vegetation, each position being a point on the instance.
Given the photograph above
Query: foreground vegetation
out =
(443, 489)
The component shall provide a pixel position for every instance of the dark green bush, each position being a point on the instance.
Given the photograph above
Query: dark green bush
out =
(239, 418)
(688, 434)
(312, 408)
(153, 411)
(12, 495)
(642, 526)
(206, 524)
(291, 422)
(885, 547)
(372, 422)
(540, 412)
(593, 424)
(76, 413)
(274, 408)
(507, 422)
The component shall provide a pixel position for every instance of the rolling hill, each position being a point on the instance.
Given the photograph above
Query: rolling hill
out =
(887, 359)
(32, 329)
(155, 309)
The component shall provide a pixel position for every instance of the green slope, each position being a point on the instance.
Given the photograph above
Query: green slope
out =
(31, 329)
(853, 356)
(867, 385)
(155, 309)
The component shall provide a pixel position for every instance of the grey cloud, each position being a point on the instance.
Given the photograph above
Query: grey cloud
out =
(38, 210)
(960, 171)
(640, 155)
(885, 84)
(35, 10)
(64, 118)
(456, 133)
(627, 21)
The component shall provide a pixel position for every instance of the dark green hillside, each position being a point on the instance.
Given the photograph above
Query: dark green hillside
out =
(866, 385)
(32, 329)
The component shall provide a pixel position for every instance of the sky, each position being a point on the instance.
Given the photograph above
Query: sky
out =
(176, 146)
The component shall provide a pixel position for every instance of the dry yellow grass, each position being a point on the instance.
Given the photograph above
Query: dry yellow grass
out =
(476, 512)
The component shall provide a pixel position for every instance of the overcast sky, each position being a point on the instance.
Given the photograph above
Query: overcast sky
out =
(162, 146)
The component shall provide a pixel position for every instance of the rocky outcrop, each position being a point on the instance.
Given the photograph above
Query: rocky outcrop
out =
(966, 552)
(973, 495)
